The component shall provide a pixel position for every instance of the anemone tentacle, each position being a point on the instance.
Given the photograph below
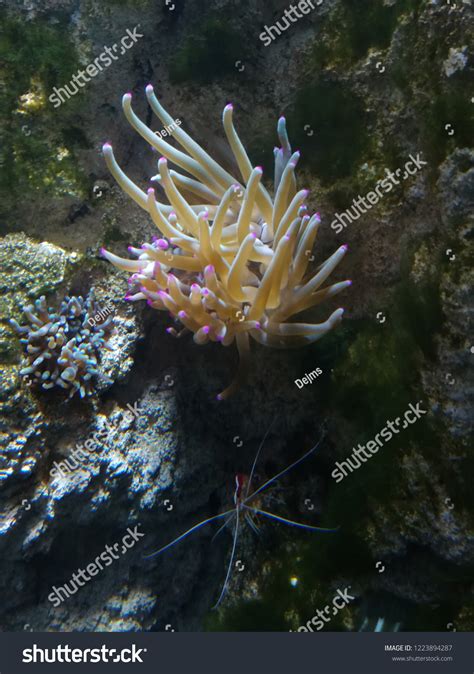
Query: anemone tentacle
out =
(237, 266)
(63, 348)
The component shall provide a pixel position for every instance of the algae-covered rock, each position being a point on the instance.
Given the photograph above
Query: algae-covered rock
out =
(29, 269)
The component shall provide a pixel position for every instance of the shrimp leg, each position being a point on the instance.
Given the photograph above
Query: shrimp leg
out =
(252, 524)
(290, 522)
(229, 568)
(221, 528)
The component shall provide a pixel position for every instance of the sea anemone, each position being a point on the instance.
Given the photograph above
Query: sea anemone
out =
(233, 265)
(63, 348)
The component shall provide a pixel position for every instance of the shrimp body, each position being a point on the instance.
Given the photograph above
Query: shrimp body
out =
(247, 506)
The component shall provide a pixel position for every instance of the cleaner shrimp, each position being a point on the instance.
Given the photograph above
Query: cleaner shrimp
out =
(246, 506)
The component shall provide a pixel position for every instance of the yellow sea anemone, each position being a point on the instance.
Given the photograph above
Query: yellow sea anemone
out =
(231, 262)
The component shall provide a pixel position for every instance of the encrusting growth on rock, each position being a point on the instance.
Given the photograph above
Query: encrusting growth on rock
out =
(230, 262)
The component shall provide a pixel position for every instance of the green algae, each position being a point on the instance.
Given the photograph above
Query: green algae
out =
(330, 123)
(209, 53)
(447, 102)
(38, 141)
(354, 27)
(371, 24)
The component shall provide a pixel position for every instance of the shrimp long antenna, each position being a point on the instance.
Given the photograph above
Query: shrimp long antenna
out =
(290, 522)
(256, 458)
(281, 473)
(229, 568)
(188, 532)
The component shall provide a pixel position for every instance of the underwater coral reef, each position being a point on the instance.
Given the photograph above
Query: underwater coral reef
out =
(226, 243)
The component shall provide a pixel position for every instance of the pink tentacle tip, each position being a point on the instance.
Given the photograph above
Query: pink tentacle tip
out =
(163, 160)
(205, 291)
(106, 146)
(209, 269)
(162, 293)
(345, 247)
(163, 244)
(342, 310)
(258, 326)
(170, 331)
(182, 314)
(149, 88)
(150, 190)
(102, 251)
(206, 329)
(219, 397)
(229, 106)
(349, 282)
